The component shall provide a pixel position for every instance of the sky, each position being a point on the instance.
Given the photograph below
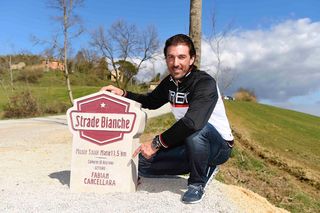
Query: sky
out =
(272, 47)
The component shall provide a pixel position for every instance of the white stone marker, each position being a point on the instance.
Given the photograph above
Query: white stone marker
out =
(106, 130)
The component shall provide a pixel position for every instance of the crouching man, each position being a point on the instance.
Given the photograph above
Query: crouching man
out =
(201, 138)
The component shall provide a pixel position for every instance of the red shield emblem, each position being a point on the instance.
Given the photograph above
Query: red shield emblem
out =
(102, 119)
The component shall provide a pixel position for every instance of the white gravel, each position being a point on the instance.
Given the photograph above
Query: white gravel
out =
(35, 156)
(161, 195)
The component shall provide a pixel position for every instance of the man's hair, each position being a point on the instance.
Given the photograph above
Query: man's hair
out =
(180, 39)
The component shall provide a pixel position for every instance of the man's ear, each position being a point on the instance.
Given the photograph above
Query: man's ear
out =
(192, 60)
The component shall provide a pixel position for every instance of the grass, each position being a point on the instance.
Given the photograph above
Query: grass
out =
(291, 135)
(287, 144)
(159, 124)
(50, 96)
(51, 91)
(272, 144)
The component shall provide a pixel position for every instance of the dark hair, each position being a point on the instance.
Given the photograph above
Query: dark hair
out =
(180, 39)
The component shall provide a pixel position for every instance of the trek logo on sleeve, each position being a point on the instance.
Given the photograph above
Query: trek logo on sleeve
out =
(178, 99)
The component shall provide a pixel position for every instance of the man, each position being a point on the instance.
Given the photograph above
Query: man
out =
(201, 138)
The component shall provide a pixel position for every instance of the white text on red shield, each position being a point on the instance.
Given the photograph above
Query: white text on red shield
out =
(102, 121)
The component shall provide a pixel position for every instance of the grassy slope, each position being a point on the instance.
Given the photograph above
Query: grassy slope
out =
(277, 154)
(271, 145)
(50, 91)
(50, 88)
(289, 134)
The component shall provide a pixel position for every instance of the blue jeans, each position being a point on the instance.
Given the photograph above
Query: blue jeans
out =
(203, 148)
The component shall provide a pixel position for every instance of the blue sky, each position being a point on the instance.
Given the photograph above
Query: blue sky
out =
(274, 49)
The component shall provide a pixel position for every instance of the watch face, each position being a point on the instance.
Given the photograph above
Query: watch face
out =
(155, 144)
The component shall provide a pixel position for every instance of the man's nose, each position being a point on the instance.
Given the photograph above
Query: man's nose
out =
(176, 61)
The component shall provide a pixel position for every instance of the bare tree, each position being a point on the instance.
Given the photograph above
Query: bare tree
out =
(67, 19)
(4, 66)
(125, 43)
(8, 62)
(224, 74)
(195, 27)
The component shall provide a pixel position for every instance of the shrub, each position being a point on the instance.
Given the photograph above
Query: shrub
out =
(245, 95)
(22, 105)
(30, 75)
(56, 108)
(92, 80)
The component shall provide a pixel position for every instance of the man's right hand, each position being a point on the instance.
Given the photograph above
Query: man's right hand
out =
(113, 89)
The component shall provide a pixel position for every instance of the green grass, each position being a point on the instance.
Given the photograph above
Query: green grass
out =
(291, 136)
(159, 124)
(287, 133)
(51, 90)
(246, 161)
(48, 95)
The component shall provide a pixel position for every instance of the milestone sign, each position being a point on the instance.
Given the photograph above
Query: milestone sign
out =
(106, 130)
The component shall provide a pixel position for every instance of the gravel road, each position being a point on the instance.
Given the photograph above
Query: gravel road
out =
(35, 156)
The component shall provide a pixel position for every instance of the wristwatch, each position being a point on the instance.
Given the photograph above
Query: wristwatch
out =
(156, 144)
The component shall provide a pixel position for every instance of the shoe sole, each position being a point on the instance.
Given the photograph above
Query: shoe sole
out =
(214, 173)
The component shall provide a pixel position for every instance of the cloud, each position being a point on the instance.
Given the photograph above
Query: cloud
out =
(151, 68)
(277, 63)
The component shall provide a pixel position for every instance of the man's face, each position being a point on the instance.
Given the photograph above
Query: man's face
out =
(178, 60)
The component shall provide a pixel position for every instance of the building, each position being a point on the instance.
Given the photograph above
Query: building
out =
(18, 66)
(53, 65)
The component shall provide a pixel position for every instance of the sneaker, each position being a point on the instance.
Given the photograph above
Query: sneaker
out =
(212, 171)
(194, 194)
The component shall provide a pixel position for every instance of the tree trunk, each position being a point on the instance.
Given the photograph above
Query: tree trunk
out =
(11, 73)
(195, 27)
(65, 49)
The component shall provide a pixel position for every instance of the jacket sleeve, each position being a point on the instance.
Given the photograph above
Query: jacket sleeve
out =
(201, 105)
(153, 100)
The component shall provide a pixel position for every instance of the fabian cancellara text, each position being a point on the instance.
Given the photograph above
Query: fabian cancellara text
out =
(99, 178)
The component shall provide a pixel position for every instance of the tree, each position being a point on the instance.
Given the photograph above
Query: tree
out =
(4, 66)
(127, 70)
(81, 63)
(243, 94)
(224, 74)
(101, 69)
(67, 20)
(195, 27)
(125, 43)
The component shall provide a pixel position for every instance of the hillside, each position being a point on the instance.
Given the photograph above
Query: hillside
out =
(49, 90)
(276, 154)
